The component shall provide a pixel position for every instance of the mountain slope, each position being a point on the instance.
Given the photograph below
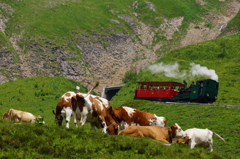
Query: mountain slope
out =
(88, 40)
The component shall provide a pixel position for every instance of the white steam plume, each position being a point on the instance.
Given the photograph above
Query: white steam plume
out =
(204, 71)
(172, 70)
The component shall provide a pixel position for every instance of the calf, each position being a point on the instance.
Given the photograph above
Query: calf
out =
(201, 138)
(164, 134)
(20, 116)
(126, 116)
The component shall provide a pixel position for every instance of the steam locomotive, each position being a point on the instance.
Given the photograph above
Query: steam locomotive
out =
(203, 91)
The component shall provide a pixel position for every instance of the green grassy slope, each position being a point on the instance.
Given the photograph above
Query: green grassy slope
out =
(221, 55)
(38, 95)
(32, 141)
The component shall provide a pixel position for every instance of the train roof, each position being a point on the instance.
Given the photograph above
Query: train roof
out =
(162, 83)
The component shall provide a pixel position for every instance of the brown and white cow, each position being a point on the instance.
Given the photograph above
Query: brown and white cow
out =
(64, 108)
(20, 116)
(86, 108)
(96, 107)
(126, 116)
(68, 106)
(164, 134)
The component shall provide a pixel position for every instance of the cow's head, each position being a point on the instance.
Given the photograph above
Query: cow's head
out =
(112, 129)
(6, 115)
(112, 125)
(179, 132)
(58, 118)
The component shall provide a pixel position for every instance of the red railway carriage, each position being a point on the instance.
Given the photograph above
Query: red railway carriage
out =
(157, 91)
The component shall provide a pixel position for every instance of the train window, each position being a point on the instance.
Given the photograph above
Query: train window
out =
(207, 83)
(216, 85)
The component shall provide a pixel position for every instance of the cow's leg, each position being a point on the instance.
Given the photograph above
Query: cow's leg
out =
(211, 145)
(192, 144)
(83, 120)
(104, 130)
(68, 116)
(75, 119)
(163, 140)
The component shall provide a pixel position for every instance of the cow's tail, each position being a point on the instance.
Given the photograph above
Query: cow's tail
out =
(219, 136)
(96, 84)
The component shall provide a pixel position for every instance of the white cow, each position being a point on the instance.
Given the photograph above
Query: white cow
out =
(201, 138)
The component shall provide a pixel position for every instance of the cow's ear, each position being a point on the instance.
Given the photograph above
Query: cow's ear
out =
(53, 112)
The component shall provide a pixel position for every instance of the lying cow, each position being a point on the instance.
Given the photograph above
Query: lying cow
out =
(20, 116)
(164, 134)
(126, 116)
(201, 138)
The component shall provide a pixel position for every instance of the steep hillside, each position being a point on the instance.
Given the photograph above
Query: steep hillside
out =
(216, 59)
(88, 40)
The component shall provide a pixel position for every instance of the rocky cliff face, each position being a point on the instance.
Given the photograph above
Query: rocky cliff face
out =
(95, 60)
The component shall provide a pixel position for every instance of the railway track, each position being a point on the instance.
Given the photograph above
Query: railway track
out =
(190, 103)
(222, 105)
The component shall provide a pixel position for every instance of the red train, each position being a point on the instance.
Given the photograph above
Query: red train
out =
(204, 91)
(157, 91)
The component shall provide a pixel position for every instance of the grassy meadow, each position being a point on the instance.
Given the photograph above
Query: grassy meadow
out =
(39, 95)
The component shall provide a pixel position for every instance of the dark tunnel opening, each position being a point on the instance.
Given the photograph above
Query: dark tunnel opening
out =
(111, 93)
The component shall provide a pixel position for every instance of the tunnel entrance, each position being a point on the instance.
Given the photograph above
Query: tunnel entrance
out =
(110, 91)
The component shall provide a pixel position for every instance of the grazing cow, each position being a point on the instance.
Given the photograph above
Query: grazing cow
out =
(94, 106)
(64, 108)
(126, 116)
(164, 134)
(68, 106)
(201, 138)
(20, 116)
(79, 105)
